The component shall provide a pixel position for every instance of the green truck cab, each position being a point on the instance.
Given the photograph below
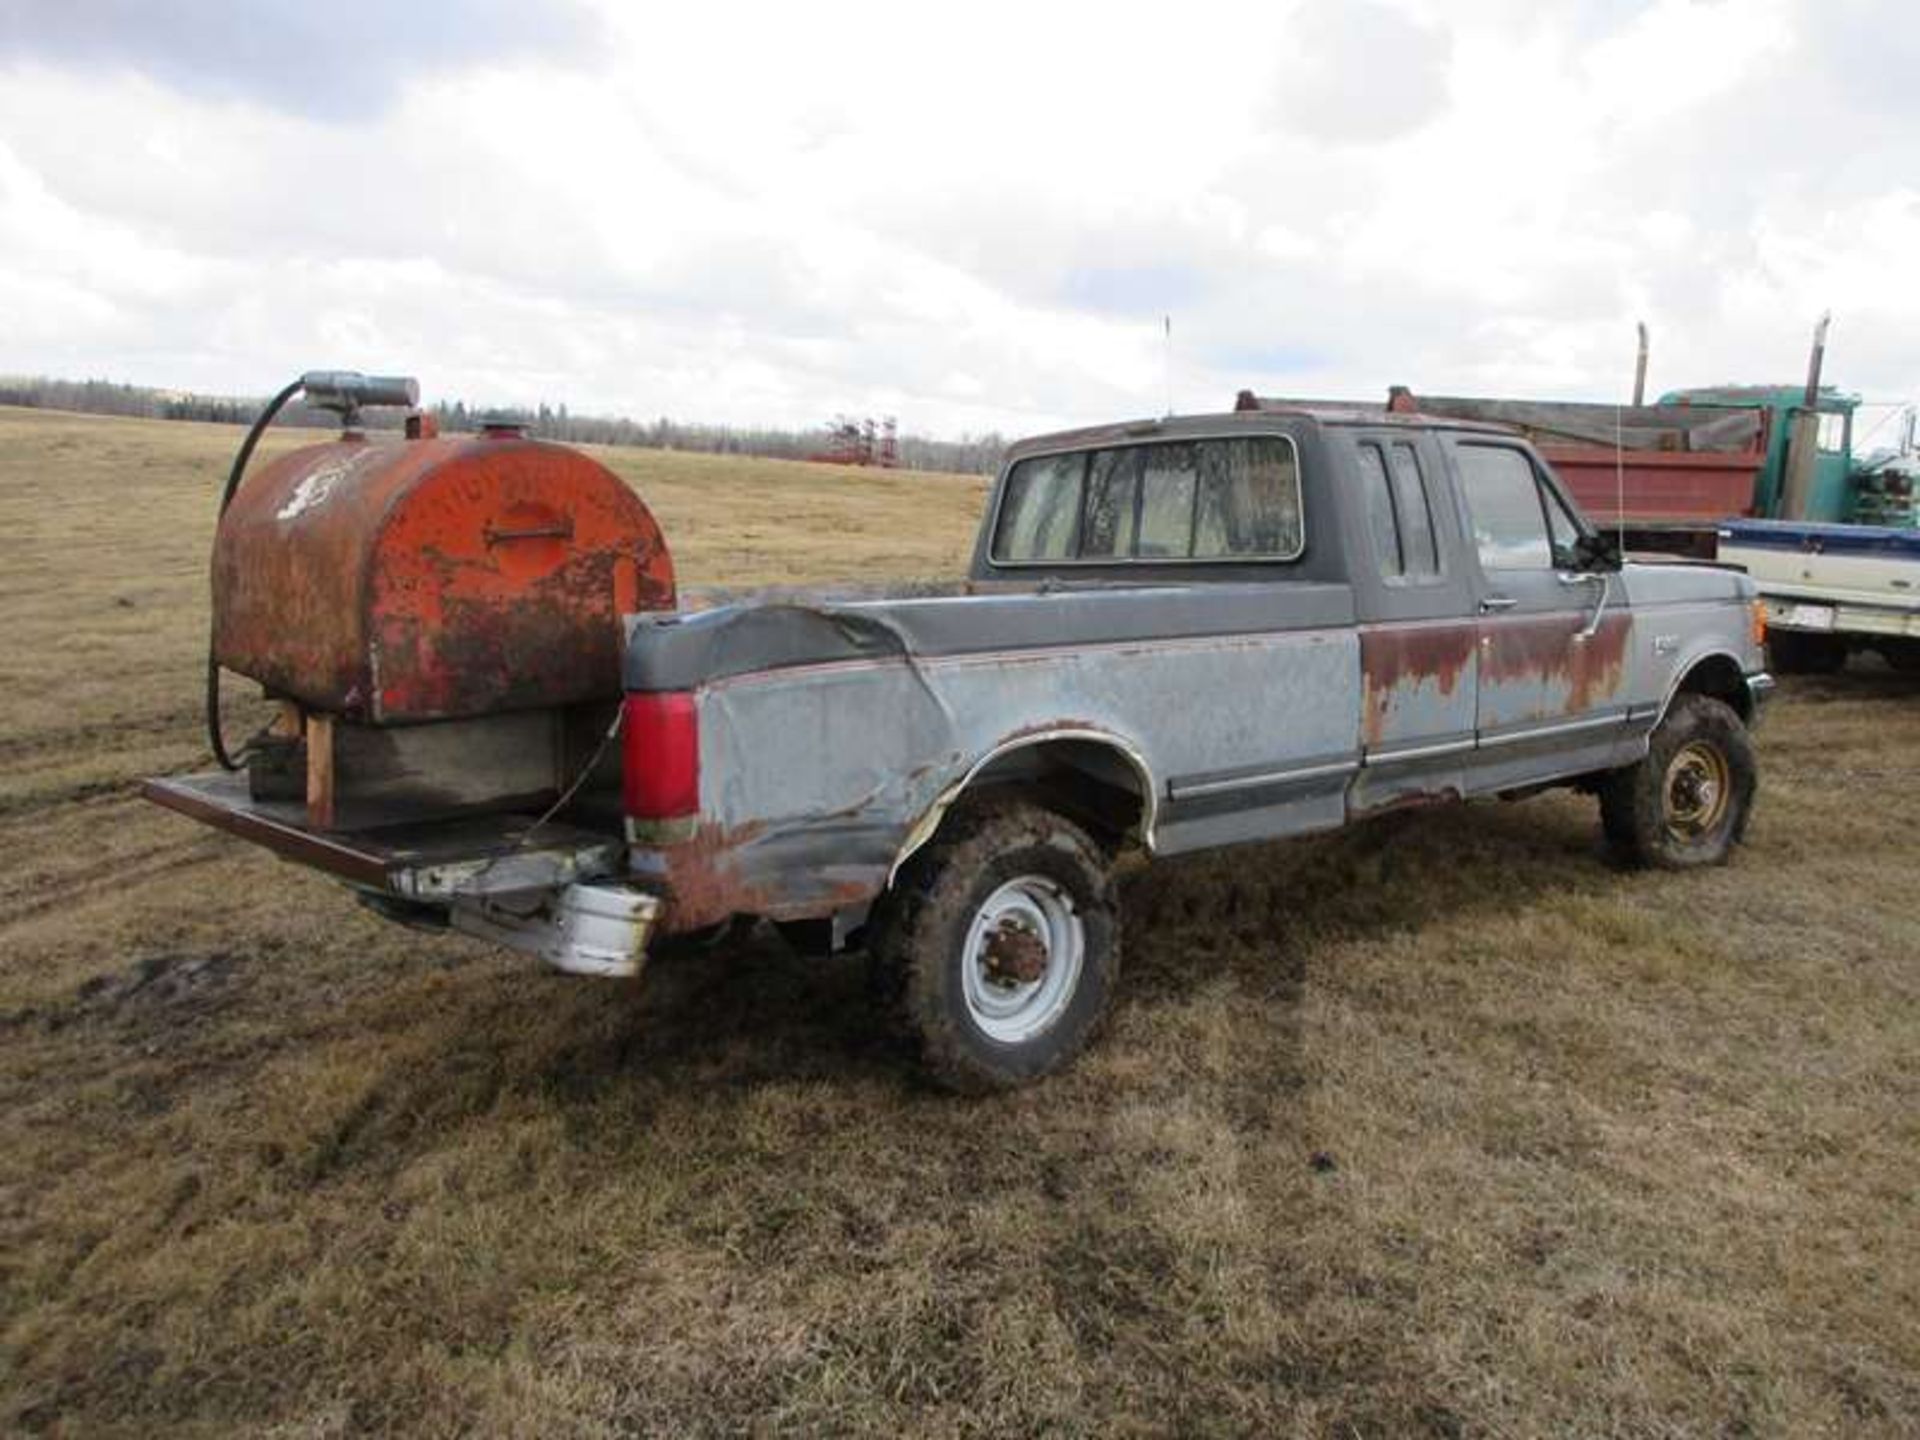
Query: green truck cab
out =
(1831, 497)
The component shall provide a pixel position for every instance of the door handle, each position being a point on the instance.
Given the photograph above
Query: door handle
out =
(1497, 602)
(1599, 609)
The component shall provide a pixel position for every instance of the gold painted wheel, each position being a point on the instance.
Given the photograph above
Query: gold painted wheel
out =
(1686, 801)
(1696, 790)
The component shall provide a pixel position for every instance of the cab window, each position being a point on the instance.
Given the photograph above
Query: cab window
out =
(1832, 435)
(1172, 501)
(1040, 509)
(1399, 517)
(1112, 503)
(1382, 524)
(1506, 506)
(1415, 512)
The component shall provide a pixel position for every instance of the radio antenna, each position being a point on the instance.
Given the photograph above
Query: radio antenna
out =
(1619, 483)
(1166, 329)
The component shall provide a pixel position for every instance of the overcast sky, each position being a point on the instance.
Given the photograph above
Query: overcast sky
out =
(971, 216)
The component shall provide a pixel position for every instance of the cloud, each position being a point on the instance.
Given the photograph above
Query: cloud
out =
(345, 60)
(1362, 72)
(826, 209)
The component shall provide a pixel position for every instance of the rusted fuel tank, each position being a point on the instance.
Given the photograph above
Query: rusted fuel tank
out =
(393, 582)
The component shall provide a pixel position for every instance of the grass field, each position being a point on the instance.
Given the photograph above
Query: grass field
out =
(1439, 1126)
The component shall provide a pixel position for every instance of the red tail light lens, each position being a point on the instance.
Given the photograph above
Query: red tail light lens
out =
(660, 756)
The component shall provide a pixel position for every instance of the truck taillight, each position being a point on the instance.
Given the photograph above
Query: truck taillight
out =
(660, 756)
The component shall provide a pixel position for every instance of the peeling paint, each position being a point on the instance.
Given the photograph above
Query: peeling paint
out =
(433, 579)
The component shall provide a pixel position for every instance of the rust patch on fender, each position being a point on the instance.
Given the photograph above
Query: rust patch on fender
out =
(705, 881)
(699, 876)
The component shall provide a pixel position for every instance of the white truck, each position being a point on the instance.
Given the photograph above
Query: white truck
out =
(1831, 590)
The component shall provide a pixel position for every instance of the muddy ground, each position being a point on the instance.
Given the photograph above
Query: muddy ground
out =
(1439, 1126)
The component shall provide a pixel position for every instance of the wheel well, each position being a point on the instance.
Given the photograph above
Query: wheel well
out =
(1091, 781)
(1097, 782)
(1719, 676)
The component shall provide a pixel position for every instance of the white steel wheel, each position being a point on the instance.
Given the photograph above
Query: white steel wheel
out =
(1024, 951)
(998, 948)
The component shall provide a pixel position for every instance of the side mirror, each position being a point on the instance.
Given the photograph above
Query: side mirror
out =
(1597, 551)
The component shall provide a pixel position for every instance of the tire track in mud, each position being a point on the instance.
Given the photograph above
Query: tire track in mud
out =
(78, 792)
(110, 756)
(23, 830)
(112, 878)
(96, 735)
(31, 801)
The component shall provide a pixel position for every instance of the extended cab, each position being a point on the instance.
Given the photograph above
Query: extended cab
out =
(1176, 634)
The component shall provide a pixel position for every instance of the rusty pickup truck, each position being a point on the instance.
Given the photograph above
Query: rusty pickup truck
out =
(1176, 634)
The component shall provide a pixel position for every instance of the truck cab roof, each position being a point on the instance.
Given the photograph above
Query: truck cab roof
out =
(1259, 416)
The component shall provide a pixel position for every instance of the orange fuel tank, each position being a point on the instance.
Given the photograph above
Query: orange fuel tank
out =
(427, 579)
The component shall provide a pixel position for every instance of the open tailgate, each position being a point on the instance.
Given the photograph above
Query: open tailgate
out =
(429, 861)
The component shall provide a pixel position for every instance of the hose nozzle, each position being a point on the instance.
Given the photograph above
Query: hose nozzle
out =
(345, 391)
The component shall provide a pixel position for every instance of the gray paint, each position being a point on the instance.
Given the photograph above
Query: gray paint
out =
(682, 651)
(835, 730)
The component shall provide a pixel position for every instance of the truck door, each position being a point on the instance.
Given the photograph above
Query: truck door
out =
(1419, 631)
(1553, 640)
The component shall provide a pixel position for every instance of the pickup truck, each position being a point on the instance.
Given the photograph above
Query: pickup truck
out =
(1176, 634)
(1831, 590)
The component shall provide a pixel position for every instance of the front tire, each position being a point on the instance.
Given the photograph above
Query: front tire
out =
(1686, 803)
(999, 946)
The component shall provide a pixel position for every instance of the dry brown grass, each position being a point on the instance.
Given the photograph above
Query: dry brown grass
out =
(1438, 1126)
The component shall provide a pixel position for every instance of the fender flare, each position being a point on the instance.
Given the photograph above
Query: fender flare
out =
(1686, 668)
(924, 828)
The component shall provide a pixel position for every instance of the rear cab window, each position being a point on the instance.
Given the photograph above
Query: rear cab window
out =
(1399, 512)
(1171, 501)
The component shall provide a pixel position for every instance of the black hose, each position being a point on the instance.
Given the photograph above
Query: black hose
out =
(274, 407)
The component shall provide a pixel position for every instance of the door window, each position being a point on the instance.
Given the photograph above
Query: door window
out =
(1565, 532)
(1503, 501)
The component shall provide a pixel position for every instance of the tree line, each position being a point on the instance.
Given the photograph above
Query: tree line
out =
(970, 454)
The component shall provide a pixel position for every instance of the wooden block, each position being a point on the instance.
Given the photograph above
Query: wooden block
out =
(321, 798)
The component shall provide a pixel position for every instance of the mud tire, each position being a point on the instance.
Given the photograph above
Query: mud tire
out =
(1638, 806)
(920, 933)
